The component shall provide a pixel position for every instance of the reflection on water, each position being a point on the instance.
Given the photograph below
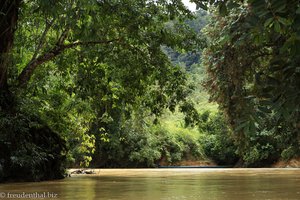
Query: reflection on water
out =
(189, 184)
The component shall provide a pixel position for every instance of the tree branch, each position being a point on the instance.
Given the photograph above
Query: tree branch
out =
(41, 42)
(27, 72)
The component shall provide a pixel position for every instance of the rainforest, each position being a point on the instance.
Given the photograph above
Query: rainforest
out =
(147, 84)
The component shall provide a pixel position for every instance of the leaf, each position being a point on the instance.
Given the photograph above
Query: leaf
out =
(265, 102)
(252, 128)
(277, 27)
(268, 22)
(264, 109)
(284, 21)
(280, 7)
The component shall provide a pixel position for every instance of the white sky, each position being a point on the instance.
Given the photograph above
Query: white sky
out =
(191, 6)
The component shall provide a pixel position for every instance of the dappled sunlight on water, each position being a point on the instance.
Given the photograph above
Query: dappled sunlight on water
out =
(171, 184)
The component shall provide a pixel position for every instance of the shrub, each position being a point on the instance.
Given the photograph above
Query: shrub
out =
(216, 140)
(30, 150)
(288, 153)
(258, 154)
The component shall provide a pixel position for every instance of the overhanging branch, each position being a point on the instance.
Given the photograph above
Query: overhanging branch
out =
(27, 72)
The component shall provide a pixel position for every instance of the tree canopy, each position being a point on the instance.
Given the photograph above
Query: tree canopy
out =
(252, 62)
(80, 68)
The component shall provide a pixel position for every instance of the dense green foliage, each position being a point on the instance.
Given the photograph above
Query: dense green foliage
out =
(142, 144)
(77, 71)
(137, 142)
(121, 84)
(216, 140)
(252, 61)
(25, 154)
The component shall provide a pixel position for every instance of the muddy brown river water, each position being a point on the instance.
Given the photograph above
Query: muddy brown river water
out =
(165, 184)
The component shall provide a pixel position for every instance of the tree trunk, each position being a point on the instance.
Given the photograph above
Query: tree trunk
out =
(8, 21)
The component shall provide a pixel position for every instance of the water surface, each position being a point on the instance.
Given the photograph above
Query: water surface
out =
(167, 184)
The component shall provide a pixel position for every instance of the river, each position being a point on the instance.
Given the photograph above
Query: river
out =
(165, 184)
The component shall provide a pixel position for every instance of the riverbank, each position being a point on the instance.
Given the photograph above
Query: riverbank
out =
(191, 163)
(293, 163)
(184, 171)
(185, 167)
